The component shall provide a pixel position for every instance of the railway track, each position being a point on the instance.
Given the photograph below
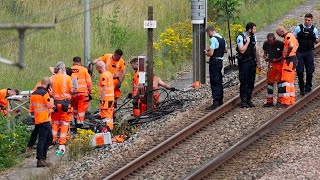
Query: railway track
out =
(131, 169)
(308, 102)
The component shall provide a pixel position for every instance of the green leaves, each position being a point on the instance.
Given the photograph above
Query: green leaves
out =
(217, 9)
(12, 142)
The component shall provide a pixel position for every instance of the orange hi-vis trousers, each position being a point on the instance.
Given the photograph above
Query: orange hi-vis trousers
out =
(117, 92)
(286, 87)
(80, 104)
(273, 75)
(61, 118)
(106, 112)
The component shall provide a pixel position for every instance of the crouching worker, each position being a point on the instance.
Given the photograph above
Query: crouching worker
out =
(139, 90)
(106, 92)
(41, 106)
(62, 116)
(4, 94)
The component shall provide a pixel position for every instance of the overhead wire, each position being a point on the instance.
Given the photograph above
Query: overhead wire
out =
(58, 21)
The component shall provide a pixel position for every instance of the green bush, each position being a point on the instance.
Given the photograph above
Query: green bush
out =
(13, 140)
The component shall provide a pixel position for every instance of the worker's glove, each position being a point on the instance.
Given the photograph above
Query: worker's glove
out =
(129, 96)
(90, 97)
(119, 85)
(173, 89)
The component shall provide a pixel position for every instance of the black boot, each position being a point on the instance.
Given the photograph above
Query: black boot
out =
(301, 83)
(249, 102)
(244, 103)
(214, 105)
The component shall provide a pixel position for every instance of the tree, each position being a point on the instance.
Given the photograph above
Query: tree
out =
(217, 9)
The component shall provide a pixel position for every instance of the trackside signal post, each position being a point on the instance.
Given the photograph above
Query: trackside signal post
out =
(150, 25)
(199, 23)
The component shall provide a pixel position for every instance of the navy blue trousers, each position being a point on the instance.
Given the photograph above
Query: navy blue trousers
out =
(45, 140)
(247, 76)
(215, 68)
(305, 60)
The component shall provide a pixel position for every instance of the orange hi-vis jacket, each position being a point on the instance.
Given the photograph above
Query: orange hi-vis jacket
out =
(83, 79)
(113, 66)
(61, 86)
(135, 84)
(41, 105)
(156, 94)
(107, 81)
(4, 101)
(289, 37)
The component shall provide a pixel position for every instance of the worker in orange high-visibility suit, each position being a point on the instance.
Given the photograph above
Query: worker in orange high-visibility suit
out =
(41, 106)
(138, 90)
(287, 90)
(273, 55)
(116, 65)
(4, 93)
(83, 93)
(106, 94)
(61, 92)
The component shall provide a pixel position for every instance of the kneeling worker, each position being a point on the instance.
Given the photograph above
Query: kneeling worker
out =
(138, 90)
(4, 93)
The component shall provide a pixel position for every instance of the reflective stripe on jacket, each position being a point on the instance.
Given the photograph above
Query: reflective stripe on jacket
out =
(41, 105)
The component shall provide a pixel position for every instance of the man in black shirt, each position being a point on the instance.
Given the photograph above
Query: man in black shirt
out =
(273, 54)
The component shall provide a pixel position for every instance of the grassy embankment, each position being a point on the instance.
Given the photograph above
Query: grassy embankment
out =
(110, 29)
(112, 25)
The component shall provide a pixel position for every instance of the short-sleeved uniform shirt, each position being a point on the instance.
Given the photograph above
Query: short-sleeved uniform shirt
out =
(112, 65)
(214, 43)
(298, 29)
(240, 40)
(273, 50)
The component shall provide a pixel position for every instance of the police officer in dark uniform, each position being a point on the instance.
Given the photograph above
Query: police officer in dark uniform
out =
(215, 52)
(307, 35)
(248, 60)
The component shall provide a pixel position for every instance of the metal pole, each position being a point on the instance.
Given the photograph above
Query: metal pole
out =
(21, 48)
(150, 62)
(86, 32)
(21, 28)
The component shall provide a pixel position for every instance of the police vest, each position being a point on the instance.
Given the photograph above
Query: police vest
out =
(306, 38)
(250, 53)
(220, 51)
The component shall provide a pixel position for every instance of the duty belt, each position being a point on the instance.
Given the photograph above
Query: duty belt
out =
(212, 59)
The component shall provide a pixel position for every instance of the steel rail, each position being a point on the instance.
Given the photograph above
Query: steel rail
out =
(180, 136)
(257, 134)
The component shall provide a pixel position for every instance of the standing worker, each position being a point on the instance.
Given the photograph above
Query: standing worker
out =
(62, 116)
(136, 88)
(216, 53)
(41, 106)
(116, 65)
(106, 92)
(248, 60)
(307, 35)
(273, 55)
(83, 93)
(287, 90)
